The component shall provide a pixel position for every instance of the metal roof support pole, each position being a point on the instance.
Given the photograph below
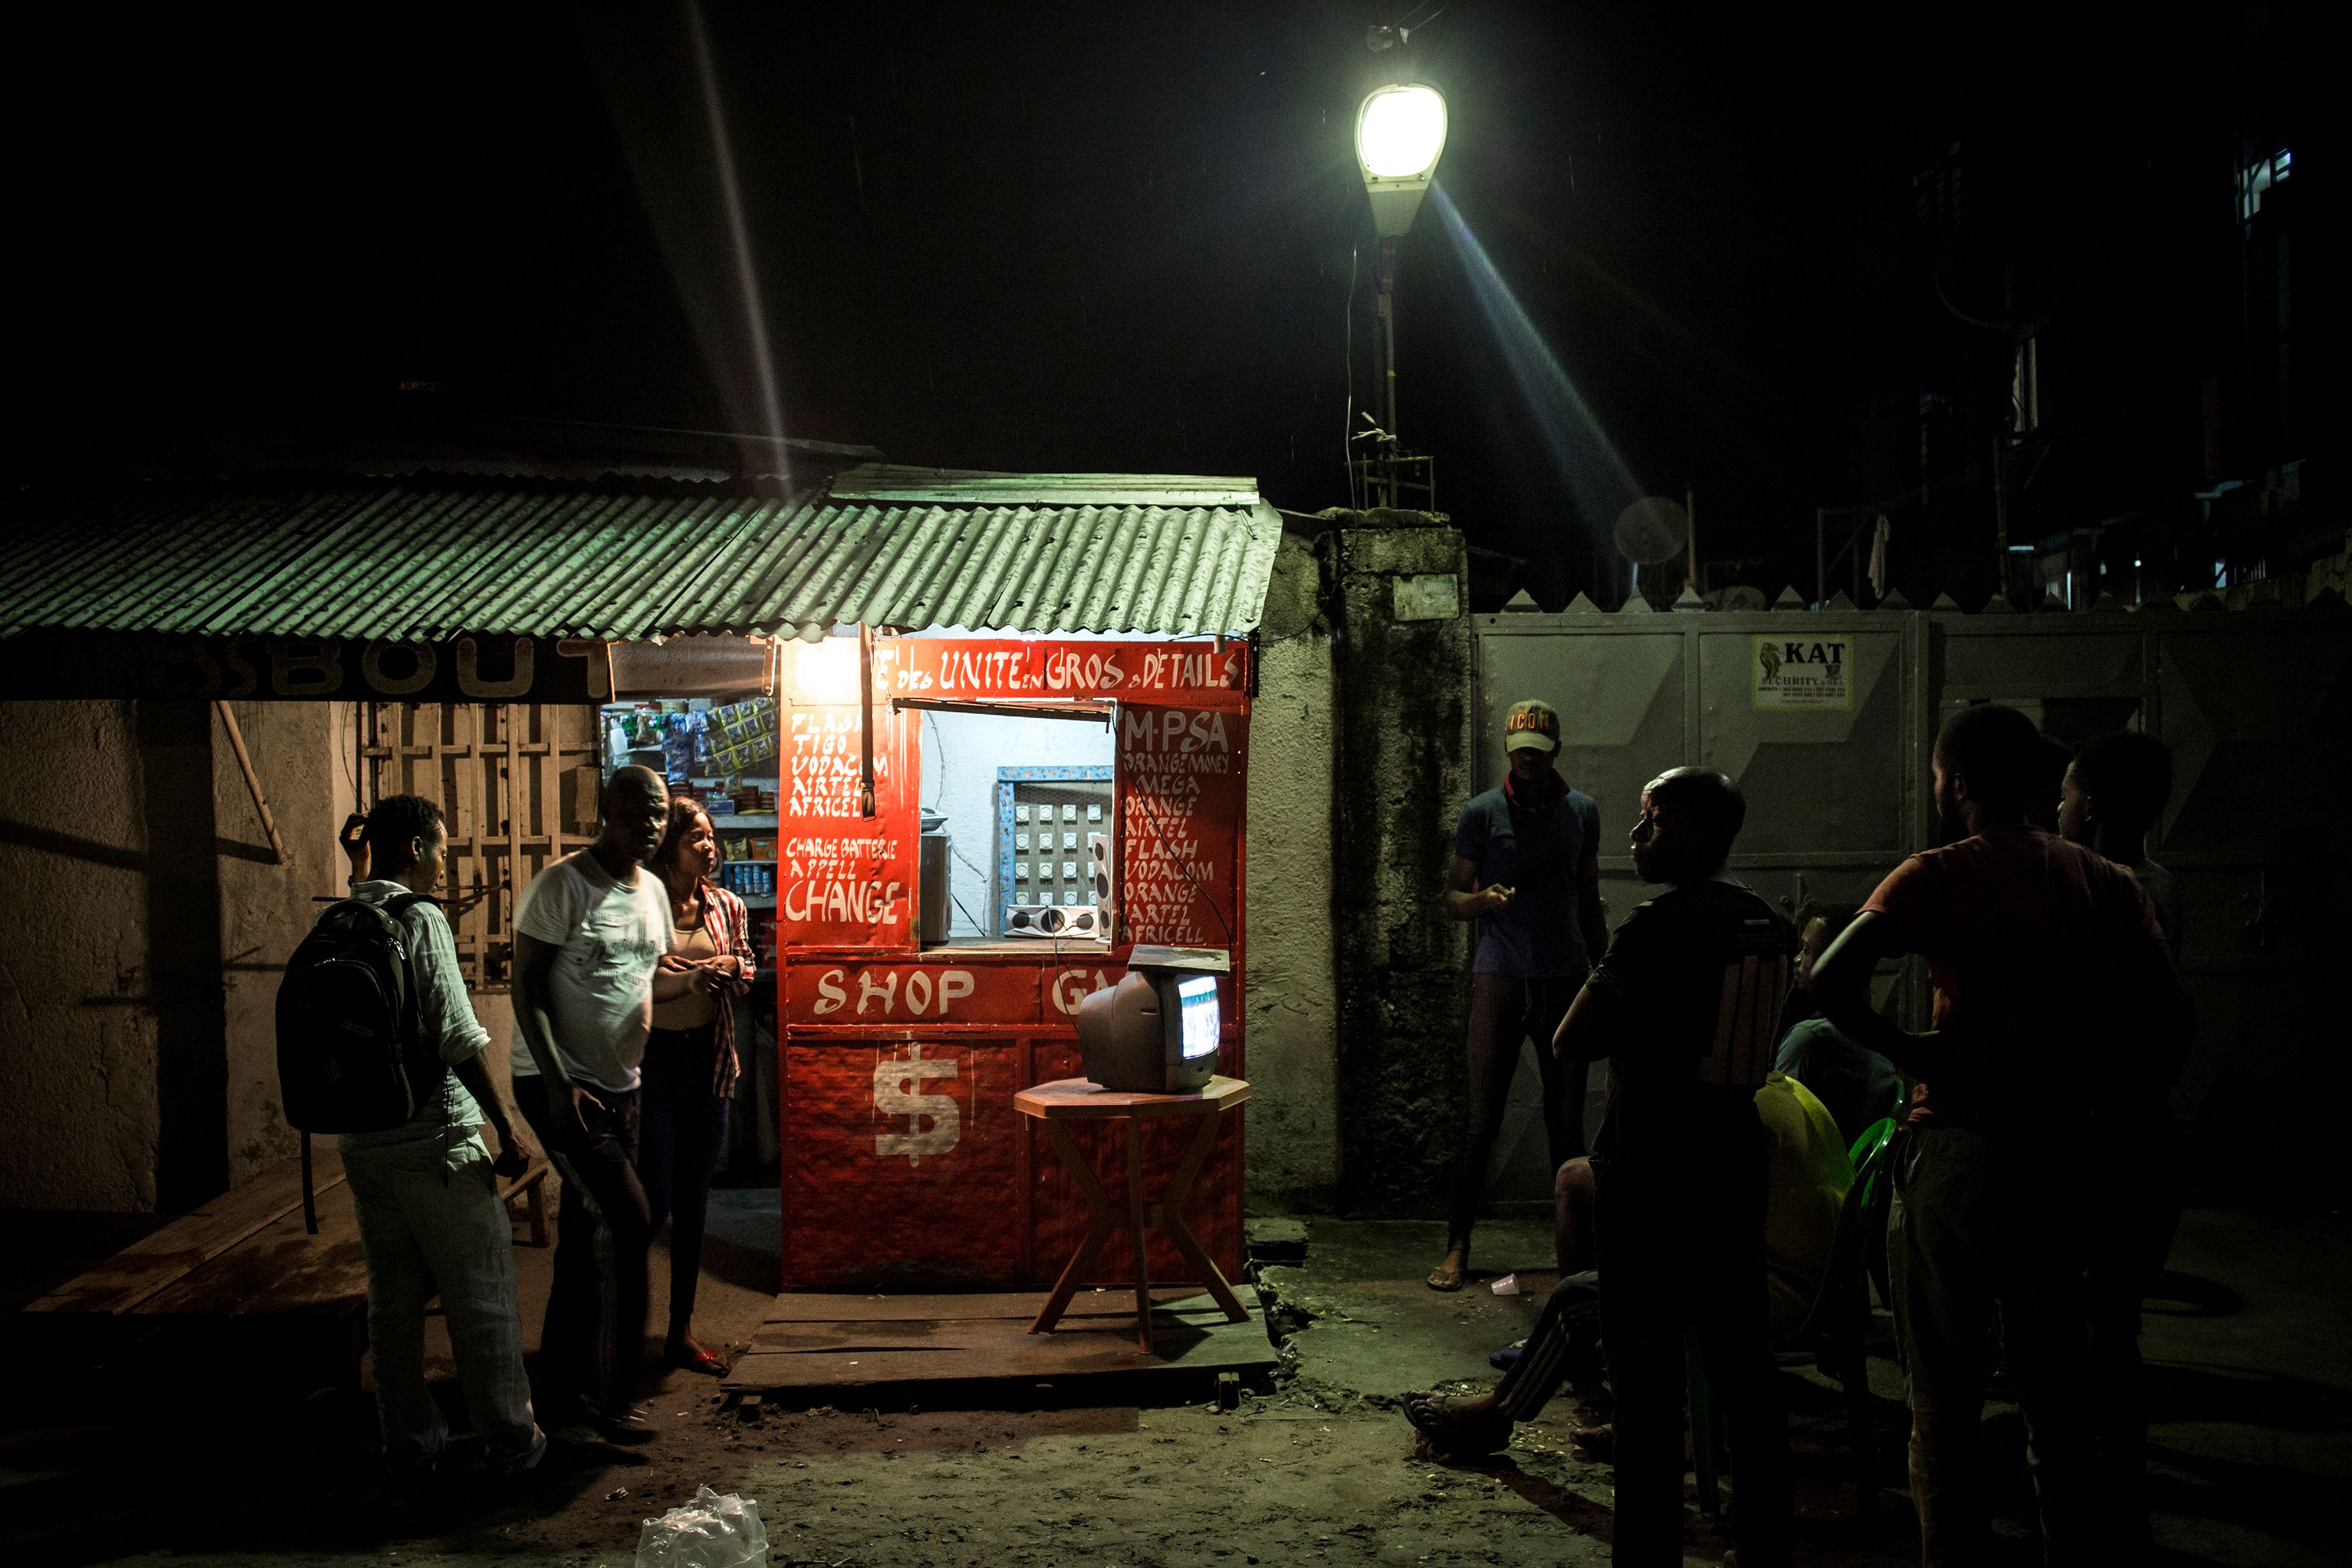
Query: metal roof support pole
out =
(252, 780)
(865, 718)
(1820, 560)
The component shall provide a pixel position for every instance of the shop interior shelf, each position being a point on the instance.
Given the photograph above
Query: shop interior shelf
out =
(758, 901)
(743, 819)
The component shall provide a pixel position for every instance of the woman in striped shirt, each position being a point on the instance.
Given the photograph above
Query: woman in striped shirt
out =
(690, 1066)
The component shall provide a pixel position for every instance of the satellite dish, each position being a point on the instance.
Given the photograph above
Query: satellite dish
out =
(1652, 530)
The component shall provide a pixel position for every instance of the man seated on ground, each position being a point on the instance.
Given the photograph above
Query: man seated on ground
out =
(1858, 1086)
(426, 1194)
(1683, 1006)
(1810, 1172)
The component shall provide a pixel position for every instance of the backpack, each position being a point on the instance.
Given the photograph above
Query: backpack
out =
(351, 1055)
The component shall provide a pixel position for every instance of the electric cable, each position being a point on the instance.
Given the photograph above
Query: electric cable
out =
(1348, 419)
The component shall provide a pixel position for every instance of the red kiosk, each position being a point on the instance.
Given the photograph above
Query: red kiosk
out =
(906, 1165)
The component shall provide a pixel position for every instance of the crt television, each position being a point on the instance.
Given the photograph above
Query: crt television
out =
(1156, 1031)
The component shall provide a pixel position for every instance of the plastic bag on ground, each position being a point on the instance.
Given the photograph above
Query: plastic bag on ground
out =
(711, 1532)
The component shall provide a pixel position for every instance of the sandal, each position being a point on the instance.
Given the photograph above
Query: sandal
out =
(696, 1360)
(1449, 1437)
(1449, 1275)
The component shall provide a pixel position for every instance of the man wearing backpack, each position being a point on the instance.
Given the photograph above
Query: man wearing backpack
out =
(589, 934)
(425, 1190)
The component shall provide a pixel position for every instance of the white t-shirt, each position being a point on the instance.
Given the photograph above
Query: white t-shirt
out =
(600, 996)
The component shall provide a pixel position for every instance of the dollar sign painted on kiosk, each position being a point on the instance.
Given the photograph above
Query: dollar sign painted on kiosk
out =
(897, 1092)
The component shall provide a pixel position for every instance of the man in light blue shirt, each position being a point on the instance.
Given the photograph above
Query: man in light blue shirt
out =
(1526, 869)
(431, 1222)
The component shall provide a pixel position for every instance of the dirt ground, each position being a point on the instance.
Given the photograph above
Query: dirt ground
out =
(191, 1456)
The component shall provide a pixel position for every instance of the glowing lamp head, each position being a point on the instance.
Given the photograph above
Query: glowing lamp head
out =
(825, 671)
(1400, 135)
(1400, 131)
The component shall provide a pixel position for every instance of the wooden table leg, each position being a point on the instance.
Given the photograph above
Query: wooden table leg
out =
(1135, 1210)
(1171, 1220)
(1100, 1221)
(535, 1205)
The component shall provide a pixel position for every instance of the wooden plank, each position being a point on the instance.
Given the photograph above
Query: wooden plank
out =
(975, 1334)
(1001, 1349)
(146, 1268)
(511, 718)
(282, 1269)
(821, 1308)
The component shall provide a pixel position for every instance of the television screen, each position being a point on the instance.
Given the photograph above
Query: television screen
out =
(1197, 995)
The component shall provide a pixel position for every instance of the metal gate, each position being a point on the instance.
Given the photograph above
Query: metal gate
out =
(2256, 706)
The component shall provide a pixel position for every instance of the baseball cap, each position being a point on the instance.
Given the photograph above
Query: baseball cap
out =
(1531, 725)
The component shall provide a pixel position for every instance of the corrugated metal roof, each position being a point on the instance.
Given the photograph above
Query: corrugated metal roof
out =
(428, 559)
(888, 481)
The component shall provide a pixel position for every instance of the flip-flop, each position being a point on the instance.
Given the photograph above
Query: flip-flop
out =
(1439, 1280)
(702, 1360)
(1421, 1410)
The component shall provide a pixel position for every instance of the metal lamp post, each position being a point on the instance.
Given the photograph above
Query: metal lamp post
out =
(1400, 135)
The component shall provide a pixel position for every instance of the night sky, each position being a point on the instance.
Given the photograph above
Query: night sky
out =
(1043, 237)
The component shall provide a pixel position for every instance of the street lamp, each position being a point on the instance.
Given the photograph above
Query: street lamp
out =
(1400, 135)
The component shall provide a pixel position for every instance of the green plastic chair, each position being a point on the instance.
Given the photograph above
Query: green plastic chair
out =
(1834, 1331)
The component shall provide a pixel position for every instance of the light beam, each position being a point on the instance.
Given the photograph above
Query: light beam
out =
(1587, 461)
(747, 276)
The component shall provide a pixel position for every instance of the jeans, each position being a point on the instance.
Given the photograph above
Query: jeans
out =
(1682, 1252)
(677, 1150)
(594, 1338)
(426, 1230)
(1503, 1012)
(1978, 1237)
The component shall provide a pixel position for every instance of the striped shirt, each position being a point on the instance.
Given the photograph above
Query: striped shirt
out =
(1704, 969)
(729, 926)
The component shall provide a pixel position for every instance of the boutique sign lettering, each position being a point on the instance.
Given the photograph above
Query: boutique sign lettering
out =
(150, 665)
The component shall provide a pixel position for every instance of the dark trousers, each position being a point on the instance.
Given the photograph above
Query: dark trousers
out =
(594, 1339)
(1979, 1237)
(1684, 1253)
(679, 1149)
(1565, 1348)
(1503, 1012)
(2141, 1172)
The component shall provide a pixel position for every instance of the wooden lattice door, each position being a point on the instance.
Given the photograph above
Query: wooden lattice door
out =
(517, 783)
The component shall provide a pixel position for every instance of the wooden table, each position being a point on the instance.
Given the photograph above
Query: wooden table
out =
(1077, 1100)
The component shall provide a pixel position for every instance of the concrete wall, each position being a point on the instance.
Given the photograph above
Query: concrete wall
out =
(1403, 727)
(78, 1037)
(1292, 1025)
(140, 956)
(265, 909)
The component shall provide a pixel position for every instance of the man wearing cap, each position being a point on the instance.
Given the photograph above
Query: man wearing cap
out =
(1525, 868)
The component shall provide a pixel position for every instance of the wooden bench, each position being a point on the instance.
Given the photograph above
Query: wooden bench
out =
(530, 1187)
(246, 1256)
(252, 1219)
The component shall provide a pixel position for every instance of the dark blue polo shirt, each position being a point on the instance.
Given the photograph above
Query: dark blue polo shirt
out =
(1536, 936)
